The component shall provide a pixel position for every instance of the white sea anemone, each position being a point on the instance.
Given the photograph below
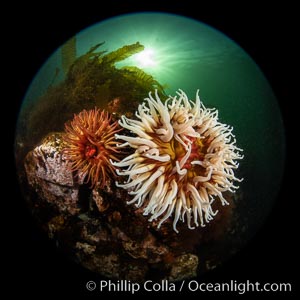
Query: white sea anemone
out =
(184, 159)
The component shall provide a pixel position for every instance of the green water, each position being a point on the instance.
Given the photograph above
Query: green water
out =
(190, 55)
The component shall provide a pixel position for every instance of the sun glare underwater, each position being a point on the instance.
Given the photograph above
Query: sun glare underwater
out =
(150, 145)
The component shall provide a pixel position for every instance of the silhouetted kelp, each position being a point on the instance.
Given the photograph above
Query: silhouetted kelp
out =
(93, 79)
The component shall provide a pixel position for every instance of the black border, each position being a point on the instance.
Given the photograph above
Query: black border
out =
(266, 33)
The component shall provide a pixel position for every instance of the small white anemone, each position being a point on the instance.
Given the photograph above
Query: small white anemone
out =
(184, 159)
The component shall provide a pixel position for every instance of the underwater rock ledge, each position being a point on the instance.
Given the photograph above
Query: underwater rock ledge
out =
(96, 226)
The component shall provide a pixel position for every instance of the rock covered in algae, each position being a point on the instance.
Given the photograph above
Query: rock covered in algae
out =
(184, 266)
(103, 233)
(48, 173)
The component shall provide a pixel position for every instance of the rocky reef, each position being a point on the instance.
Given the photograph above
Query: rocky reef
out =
(96, 226)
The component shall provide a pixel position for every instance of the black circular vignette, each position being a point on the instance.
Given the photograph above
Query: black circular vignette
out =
(266, 35)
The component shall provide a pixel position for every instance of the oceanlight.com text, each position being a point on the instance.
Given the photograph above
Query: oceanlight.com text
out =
(191, 285)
